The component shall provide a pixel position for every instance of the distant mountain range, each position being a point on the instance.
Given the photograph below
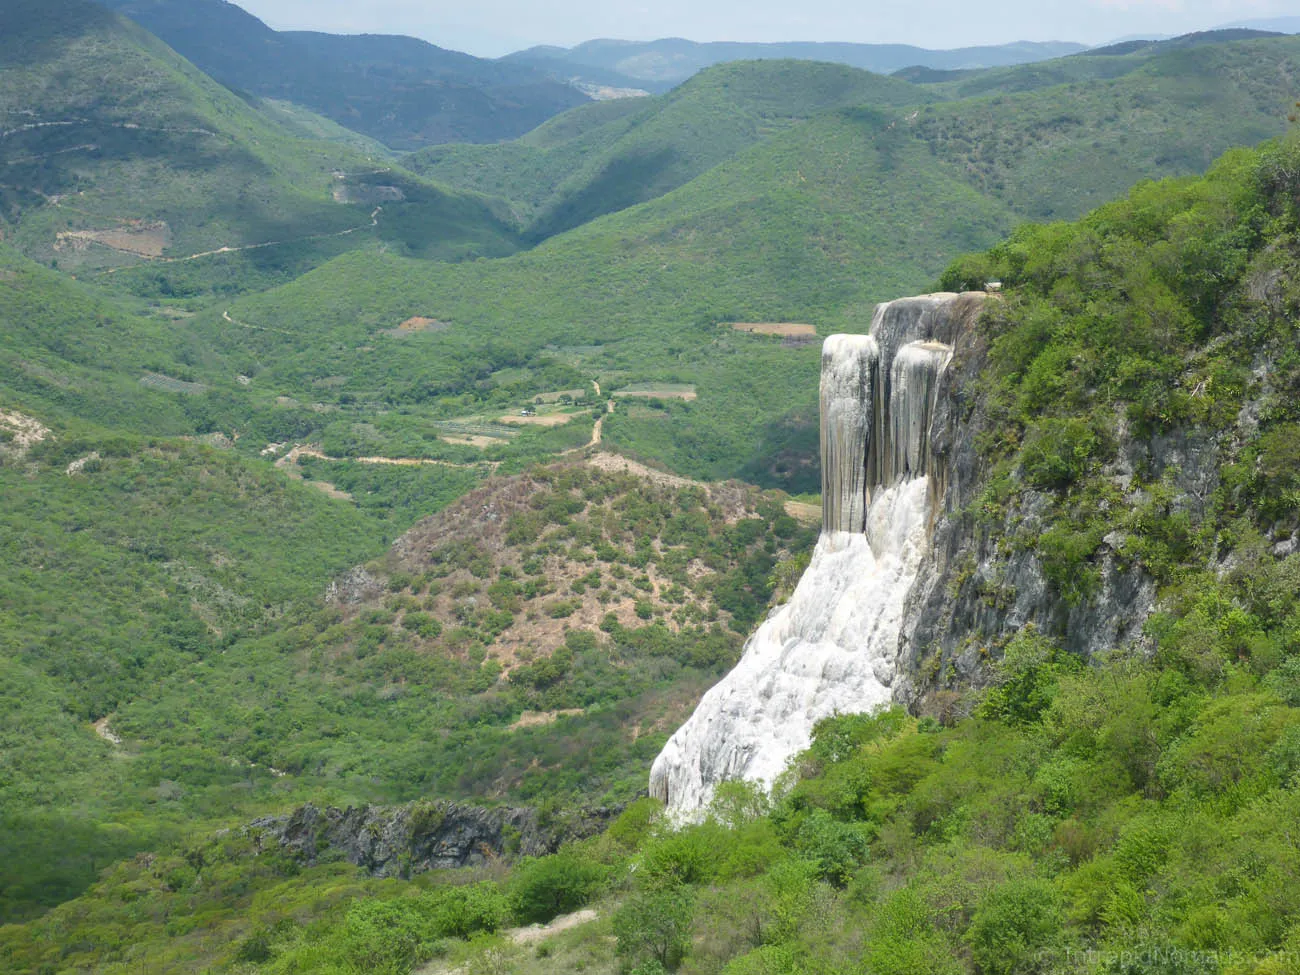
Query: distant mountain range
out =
(404, 92)
(407, 93)
(1164, 44)
(660, 65)
(1281, 25)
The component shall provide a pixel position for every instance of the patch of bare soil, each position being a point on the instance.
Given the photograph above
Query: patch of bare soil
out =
(289, 462)
(523, 937)
(105, 732)
(783, 329)
(617, 464)
(79, 465)
(473, 441)
(682, 392)
(534, 933)
(538, 419)
(557, 395)
(133, 237)
(329, 490)
(418, 323)
(538, 719)
(18, 432)
(367, 194)
(404, 461)
(809, 514)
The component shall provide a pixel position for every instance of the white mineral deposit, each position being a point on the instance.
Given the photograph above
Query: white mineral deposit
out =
(833, 647)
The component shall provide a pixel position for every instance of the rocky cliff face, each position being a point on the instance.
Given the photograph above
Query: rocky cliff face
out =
(402, 840)
(976, 588)
(908, 593)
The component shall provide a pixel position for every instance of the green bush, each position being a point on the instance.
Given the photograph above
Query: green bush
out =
(1025, 679)
(653, 927)
(546, 887)
(1014, 927)
(1059, 452)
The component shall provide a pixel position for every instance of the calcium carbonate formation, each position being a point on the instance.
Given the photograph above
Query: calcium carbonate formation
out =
(833, 647)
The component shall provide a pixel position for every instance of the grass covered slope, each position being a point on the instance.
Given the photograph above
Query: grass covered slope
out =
(173, 595)
(1110, 121)
(533, 642)
(69, 354)
(126, 559)
(134, 156)
(651, 146)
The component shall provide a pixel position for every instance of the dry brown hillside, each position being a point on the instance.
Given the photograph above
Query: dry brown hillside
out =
(511, 568)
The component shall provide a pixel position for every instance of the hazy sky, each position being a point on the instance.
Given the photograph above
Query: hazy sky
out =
(493, 27)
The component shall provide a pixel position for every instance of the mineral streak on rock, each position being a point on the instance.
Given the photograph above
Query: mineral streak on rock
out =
(848, 382)
(833, 647)
(914, 383)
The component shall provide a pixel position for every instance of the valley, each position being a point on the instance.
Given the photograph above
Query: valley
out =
(398, 446)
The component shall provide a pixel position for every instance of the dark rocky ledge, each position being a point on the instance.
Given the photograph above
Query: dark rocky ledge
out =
(392, 841)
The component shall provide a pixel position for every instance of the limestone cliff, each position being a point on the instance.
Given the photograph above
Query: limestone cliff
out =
(908, 594)
(975, 589)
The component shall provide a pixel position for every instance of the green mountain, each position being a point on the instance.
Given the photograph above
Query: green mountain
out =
(607, 157)
(135, 158)
(404, 92)
(659, 65)
(1157, 108)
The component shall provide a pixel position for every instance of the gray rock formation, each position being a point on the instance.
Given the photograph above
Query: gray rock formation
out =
(974, 589)
(402, 840)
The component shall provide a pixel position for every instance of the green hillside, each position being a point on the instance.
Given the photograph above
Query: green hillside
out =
(71, 355)
(1170, 112)
(1110, 118)
(127, 559)
(175, 593)
(787, 231)
(134, 157)
(571, 170)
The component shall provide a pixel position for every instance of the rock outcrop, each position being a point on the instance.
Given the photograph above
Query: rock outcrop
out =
(908, 594)
(975, 589)
(402, 840)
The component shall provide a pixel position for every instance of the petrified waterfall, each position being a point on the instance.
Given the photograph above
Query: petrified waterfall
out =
(833, 647)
